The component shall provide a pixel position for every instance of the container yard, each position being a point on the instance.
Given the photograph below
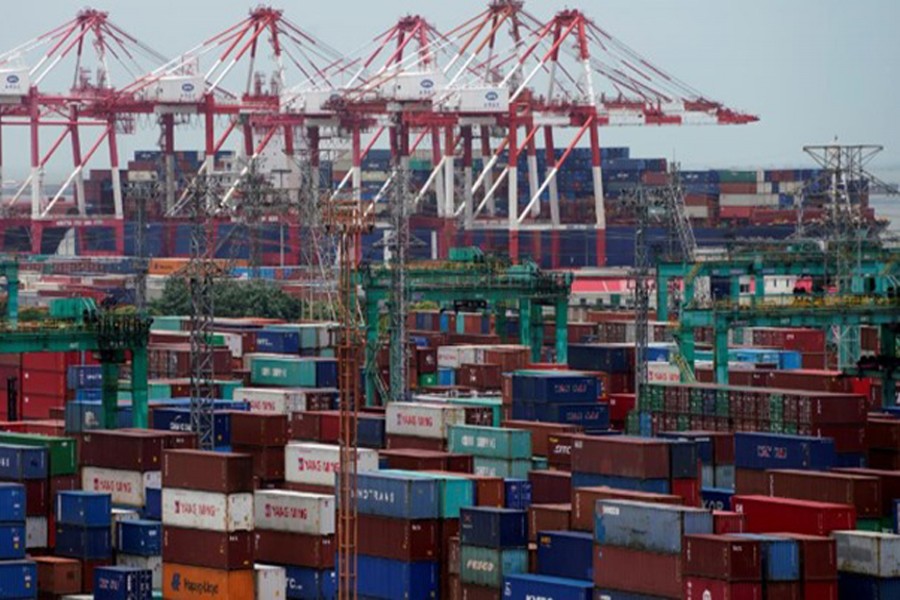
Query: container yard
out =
(394, 324)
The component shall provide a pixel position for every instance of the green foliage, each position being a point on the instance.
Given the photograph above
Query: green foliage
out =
(232, 299)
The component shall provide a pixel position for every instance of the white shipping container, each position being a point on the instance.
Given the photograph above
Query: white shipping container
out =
(233, 341)
(869, 553)
(297, 512)
(277, 400)
(663, 372)
(763, 188)
(180, 88)
(453, 357)
(207, 510)
(414, 86)
(762, 200)
(148, 563)
(316, 464)
(270, 582)
(420, 419)
(484, 100)
(696, 212)
(14, 82)
(128, 488)
(36, 533)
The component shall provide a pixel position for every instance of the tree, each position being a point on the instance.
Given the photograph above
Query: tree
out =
(231, 298)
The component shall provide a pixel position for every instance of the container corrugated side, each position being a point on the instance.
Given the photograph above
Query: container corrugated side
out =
(207, 510)
(298, 512)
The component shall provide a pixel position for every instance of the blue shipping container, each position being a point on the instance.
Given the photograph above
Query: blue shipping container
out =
(87, 543)
(12, 541)
(852, 586)
(152, 504)
(491, 527)
(398, 496)
(532, 587)
(370, 431)
(278, 342)
(122, 583)
(554, 387)
(517, 494)
(139, 537)
(389, 579)
(610, 358)
(648, 527)
(656, 486)
(86, 509)
(304, 583)
(326, 373)
(591, 415)
(84, 377)
(705, 448)
(716, 498)
(18, 579)
(684, 461)
(781, 557)
(761, 451)
(566, 554)
(12, 502)
(179, 419)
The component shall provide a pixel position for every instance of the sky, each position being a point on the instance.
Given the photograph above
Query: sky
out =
(810, 69)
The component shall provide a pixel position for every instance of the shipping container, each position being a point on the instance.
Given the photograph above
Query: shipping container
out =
(411, 540)
(57, 575)
(420, 419)
(868, 553)
(139, 537)
(647, 526)
(207, 510)
(84, 509)
(305, 583)
(762, 451)
(723, 557)
(204, 548)
(621, 456)
(566, 554)
(548, 517)
(183, 582)
(489, 442)
(221, 472)
(295, 549)
(295, 512)
(122, 583)
(765, 514)
(493, 527)
(318, 464)
(532, 587)
(488, 566)
(584, 501)
(22, 462)
(701, 588)
(18, 579)
(861, 492)
(386, 579)
(397, 496)
(639, 572)
(127, 488)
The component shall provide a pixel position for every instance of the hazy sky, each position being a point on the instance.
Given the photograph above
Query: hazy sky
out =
(811, 69)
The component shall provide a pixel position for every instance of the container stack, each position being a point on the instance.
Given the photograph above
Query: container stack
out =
(568, 397)
(404, 509)
(780, 565)
(421, 425)
(44, 382)
(638, 546)
(122, 583)
(722, 566)
(868, 564)
(139, 546)
(498, 452)
(84, 410)
(493, 545)
(818, 565)
(27, 466)
(263, 436)
(763, 514)
(12, 535)
(207, 516)
(84, 531)
(295, 531)
(311, 467)
(754, 453)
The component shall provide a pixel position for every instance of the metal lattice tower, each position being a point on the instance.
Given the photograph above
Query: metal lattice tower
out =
(143, 188)
(642, 277)
(200, 278)
(399, 303)
(348, 220)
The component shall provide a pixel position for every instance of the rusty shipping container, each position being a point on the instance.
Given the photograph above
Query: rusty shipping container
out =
(584, 501)
(548, 517)
(221, 472)
(58, 576)
(859, 491)
(259, 429)
(641, 458)
(427, 460)
(550, 487)
(638, 572)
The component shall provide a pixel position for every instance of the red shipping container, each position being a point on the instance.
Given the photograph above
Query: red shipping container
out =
(620, 405)
(318, 426)
(863, 493)
(211, 549)
(259, 429)
(699, 588)
(132, 449)
(37, 497)
(548, 517)
(725, 522)
(818, 556)
(765, 515)
(268, 462)
(784, 590)
(641, 572)
(38, 407)
(540, 432)
(688, 490)
(43, 383)
(890, 484)
(480, 377)
(724, 557)
(559, 451)
(550, 487)
(397, 442)
(477, 592)
(820, 590)
(54, 361)
(585, 499)
(883, 433)
(622, 456)
(295, 549)
(748, 482)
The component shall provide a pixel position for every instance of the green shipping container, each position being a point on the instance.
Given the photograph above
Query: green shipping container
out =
(228, 388)
(495, 404)
(283, 372)
(168, 323)
(455, 492)
(488, 566)
(868, 525)
(539, 463)
(500, 467)
(737, 176)
(427, 379)
(155, 391)
(61, 451)
(490, 442)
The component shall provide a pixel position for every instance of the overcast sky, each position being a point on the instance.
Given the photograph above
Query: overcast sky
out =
(811, 69)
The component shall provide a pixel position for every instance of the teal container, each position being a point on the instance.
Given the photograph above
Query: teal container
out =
(228, 388)
(488, 566)
(169, 323)
(325, 352)
(495, 404)
(155, 391)
(500, 467)
(490, 442)
(455, 492)
(287, 371)
(539, 463)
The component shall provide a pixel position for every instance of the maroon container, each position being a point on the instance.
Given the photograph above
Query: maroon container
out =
(210, 549)
(784, 590)
(818, 556)
(725, 522)
(268, 462)
(307, 488)
(890, 484)
(585, 499)
(724, 557)
(416, 460)
(296, 549)
(820, 590)
(750, 482)
(550, 487)
(399, 539)
(400, 442)
(460, 463)
(860, 491)
(477, 592)
(540, 445)
(259, 429)
(62, 483)
(485, 376)
(688, 490)
(883, 433)
(548, 517)
(131, 450)
(888, 460)
(559, 451)
(765, 515)
(37, 497)
(317, 426)
(642, 458)
(222, 472)
(641, 572)
(700, 588)
(175, 440)
(448, 529)
(453, 556)
(57, 576)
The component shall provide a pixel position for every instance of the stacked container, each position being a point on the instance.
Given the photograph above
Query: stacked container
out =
(763, 514)
(122, 583)
(754, 453)
(84, 531)
(868, 564)
(12, 532)
(493, 545)
(139, 546)
(312, 467)
(262, 436)
(780, 565)
(567, 397)
(638, 545)
(295, 530)
(421, 425)
(207, 515)
(28, 467)
(85, 410)
(818, 565)
(498, 452)
(399, 536)
(721, 566)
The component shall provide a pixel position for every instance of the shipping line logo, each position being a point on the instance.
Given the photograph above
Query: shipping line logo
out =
(277, 511)
(201, 588)
(193, 508)
(778, 452)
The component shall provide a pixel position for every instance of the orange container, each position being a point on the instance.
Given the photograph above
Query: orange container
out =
(183, 581)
